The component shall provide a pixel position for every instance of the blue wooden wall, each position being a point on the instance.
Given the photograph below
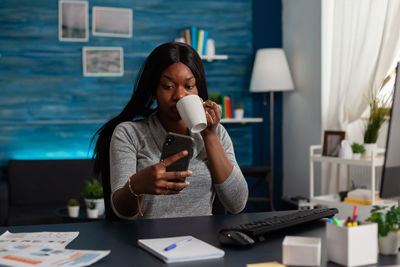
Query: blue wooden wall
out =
(49, 110)
(267, 33)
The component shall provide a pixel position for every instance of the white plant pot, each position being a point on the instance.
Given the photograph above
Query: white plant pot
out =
(92, 213)
(356, 155)
(239, 113)
(369, 148)
(99, 204)
(389, 245)
(73, 211)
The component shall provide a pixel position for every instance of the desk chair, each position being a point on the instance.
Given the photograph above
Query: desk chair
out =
(261, 173)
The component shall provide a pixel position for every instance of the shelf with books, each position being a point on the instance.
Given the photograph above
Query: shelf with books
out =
(200, 40)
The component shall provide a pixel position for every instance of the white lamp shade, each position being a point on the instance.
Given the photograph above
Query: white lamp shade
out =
(271, 71)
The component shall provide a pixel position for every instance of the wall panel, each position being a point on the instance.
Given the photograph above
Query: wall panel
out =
(49, 110)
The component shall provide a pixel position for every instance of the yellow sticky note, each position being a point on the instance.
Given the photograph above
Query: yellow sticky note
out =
(266, 264)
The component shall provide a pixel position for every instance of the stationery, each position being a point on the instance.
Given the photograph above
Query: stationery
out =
(178, 244)
(180, 249)
(44, 249)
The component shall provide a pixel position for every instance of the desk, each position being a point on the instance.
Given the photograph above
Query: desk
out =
(120, 237)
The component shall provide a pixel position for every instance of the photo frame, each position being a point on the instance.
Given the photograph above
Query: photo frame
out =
(332, 140)
(103, 61)
(112, 22)
(73, 21)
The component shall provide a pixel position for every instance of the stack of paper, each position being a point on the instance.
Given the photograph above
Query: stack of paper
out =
(44, 249)
(361, 197)
(188, 249)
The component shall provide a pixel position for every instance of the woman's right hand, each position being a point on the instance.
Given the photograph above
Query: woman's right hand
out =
(157, 181)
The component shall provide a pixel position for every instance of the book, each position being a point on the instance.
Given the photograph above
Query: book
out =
(232, 106)
(223, 108)
(200, 40)
(186, 35)
(195, 249)
(227, 106)
(193, 37)
(205, 42)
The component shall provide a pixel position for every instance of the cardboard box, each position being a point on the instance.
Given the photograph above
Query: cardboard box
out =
(352, 246)
(301, 251)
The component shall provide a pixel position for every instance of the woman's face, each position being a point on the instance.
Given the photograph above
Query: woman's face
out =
(176, 81)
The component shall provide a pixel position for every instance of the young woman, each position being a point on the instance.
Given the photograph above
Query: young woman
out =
(128, 147)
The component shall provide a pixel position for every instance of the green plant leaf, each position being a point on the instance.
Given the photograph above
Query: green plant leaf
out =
(73, 202)
(93, 190)
(387, 219)
(378, 115)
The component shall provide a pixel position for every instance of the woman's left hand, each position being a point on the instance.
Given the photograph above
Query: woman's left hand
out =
(213, 115)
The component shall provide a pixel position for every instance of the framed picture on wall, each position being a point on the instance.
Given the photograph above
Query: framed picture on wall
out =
(73, 21)
(113, 22)
(332, 140)
(103, 61)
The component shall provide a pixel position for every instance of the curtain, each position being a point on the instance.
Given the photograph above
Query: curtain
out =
(361, 39)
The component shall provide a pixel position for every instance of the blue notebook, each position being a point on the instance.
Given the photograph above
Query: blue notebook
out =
(192, 250)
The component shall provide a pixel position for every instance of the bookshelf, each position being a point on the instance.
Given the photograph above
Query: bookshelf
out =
(210, 58)
(376, 159)
(242, 121)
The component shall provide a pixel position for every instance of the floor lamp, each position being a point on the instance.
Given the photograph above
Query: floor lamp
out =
(270, 74)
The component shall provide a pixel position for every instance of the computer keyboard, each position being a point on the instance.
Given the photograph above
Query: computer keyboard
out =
(257, 229)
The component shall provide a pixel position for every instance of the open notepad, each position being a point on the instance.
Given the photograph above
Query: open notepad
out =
(190, 251)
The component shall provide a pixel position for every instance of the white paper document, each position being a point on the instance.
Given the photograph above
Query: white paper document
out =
(48, 239)
(44, 249)
(180, 248)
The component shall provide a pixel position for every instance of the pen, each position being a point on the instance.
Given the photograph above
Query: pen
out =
(336, 222)
(354, 213)
(178, 244)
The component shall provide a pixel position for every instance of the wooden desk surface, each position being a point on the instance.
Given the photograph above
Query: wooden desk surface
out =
(121, 237)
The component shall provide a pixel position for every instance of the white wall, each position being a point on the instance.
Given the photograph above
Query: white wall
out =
(302, 107)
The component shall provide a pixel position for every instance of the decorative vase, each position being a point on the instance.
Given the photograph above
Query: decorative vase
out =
(92, 213)
(210, 50)
(369, 148)
(239, 112)
(99, 204)
(73, 211)
(389, 245)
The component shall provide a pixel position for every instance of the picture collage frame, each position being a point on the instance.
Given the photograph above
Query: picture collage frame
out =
(115, 22)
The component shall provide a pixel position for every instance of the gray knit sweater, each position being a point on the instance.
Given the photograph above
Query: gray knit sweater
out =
(137, 145)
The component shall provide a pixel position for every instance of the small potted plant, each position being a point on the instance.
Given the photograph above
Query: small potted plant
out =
(217, 98)
(379, 112)
(358, 149)
(388, 220)
(239, 111)
(93, 192)
(92, 211)
(73, 208)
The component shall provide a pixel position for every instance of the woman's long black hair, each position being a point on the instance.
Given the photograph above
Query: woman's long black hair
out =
(140, 104)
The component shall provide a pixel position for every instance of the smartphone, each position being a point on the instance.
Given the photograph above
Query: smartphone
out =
(173, 144)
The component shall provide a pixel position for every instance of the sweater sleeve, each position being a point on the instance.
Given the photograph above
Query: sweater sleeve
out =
(123, 160)
(233, 192)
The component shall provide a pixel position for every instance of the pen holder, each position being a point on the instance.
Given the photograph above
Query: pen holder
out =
(352, 246)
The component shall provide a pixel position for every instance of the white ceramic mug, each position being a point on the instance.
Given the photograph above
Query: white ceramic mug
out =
(192, 112)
